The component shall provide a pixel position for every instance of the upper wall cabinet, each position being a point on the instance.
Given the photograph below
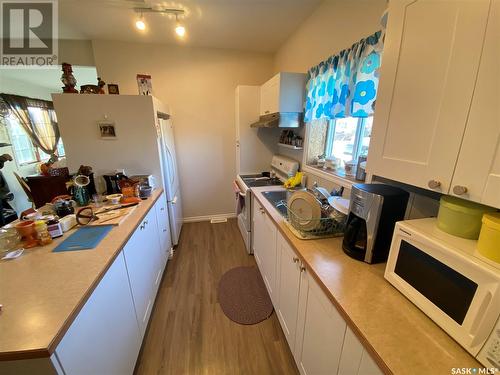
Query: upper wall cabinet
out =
(477, 174)
(283, 93)
(431, 59)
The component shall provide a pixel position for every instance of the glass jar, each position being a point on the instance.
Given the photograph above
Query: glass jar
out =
(42, 234)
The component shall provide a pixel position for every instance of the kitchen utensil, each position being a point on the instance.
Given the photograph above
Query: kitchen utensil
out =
(86, 215)
(64, 207)
(145, 191)
(9, 239)
(306, 209)
(114, 198)
(460, 217)
(80, 193)
(84, 238)
(13, 255)
(27, 231)
(350, 167)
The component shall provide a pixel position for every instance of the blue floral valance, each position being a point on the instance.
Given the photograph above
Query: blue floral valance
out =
(345, 85)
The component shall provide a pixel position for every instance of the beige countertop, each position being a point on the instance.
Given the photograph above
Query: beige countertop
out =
(401, 338)
(42, 292)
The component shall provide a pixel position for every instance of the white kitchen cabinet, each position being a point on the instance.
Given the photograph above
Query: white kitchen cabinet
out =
(288, 286)
(264, 242)
(429, 67)
(320, 331)
(283, 93)
(163, 224)
(477, 174)
(355, 359)
(104, 337)
(144, 266)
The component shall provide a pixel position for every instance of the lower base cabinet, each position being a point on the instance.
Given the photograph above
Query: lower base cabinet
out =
(104, 337)
(318, 336)
(320, 331)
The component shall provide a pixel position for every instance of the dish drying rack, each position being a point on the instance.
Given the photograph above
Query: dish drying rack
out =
(324, 227)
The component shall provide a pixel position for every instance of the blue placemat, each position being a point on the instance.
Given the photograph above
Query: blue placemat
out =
(84, 238)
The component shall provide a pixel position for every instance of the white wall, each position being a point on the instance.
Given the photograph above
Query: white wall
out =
(199, 86)
(332, 27)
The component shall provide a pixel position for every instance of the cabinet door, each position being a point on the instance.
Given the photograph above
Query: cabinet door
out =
(162, 220)
(265, 249)
(142, 257)
(257, 231)
(320, 331)
(478, 167)
(104, 337)
(288, 280)
(355, 359)
(270, 96)
(429, 67)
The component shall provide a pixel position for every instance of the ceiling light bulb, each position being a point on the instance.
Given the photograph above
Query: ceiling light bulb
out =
(180, 30)
(140, 24)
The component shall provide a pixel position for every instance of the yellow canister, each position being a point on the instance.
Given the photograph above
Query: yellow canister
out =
(489, 238)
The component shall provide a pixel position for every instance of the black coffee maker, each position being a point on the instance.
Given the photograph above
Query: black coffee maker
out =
(373, 212)
(112, 182)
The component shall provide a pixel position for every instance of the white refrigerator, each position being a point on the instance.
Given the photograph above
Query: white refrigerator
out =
(143, 141)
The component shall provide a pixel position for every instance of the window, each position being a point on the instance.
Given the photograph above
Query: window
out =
(24, 150)
(348, 138)
(344, 138)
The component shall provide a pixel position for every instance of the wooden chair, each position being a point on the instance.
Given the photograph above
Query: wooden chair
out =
(26, 188)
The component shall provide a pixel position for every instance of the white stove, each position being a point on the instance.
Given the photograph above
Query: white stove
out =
(282, 168)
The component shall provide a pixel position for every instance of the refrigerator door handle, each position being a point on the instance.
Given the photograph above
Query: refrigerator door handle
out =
(173, 201)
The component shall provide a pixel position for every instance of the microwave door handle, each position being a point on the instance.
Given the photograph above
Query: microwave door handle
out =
(481, 326)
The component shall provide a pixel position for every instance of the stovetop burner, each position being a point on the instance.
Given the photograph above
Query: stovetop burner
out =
(260, 180)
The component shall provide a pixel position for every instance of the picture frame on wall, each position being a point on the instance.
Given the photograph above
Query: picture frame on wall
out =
(144, 84)
(107, 130)
(113, 89)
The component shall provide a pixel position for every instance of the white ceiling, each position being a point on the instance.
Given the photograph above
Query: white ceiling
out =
(253, 25)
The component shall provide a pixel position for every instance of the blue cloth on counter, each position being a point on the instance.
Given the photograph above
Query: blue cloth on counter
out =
(84, 238)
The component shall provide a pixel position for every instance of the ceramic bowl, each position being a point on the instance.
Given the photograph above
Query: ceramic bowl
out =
(114, 198)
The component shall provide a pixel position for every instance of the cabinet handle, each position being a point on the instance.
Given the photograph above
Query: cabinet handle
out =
(164, 230)
(434, 184)
(302, 269)
(460, 190)
(141, 227)
(295, 260)
(162, 209)
(261, 210)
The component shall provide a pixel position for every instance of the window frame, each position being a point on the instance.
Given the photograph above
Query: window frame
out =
(329, 175)
(36, 151)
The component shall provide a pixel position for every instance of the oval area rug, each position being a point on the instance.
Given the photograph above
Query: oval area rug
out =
(243, 296)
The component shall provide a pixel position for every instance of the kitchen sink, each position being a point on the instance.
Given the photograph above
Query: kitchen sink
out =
(277, 198)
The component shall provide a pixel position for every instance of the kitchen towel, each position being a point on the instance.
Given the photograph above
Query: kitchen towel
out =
(84, 238)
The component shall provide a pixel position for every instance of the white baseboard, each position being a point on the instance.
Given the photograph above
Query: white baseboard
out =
(196, 219)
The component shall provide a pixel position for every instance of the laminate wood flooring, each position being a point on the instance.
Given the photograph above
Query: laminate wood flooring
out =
(188, 332)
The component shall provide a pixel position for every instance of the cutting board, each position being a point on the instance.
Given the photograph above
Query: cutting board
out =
(115, 217)
(84, 238)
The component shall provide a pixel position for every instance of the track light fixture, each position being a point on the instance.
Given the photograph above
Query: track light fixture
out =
(180, 30)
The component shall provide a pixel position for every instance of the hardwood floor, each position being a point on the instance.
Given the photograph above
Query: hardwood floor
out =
(188, 332)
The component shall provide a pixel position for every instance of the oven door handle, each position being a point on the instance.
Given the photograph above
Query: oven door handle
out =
(485, 320)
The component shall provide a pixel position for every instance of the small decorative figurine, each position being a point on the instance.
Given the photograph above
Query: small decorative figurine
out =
(101, 84)
(113, 89)
(68, 79)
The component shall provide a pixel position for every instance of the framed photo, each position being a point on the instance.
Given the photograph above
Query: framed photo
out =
(113, 89)
(144, 84)
(107, 130)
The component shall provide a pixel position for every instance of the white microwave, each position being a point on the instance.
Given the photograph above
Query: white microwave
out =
(448, 280)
